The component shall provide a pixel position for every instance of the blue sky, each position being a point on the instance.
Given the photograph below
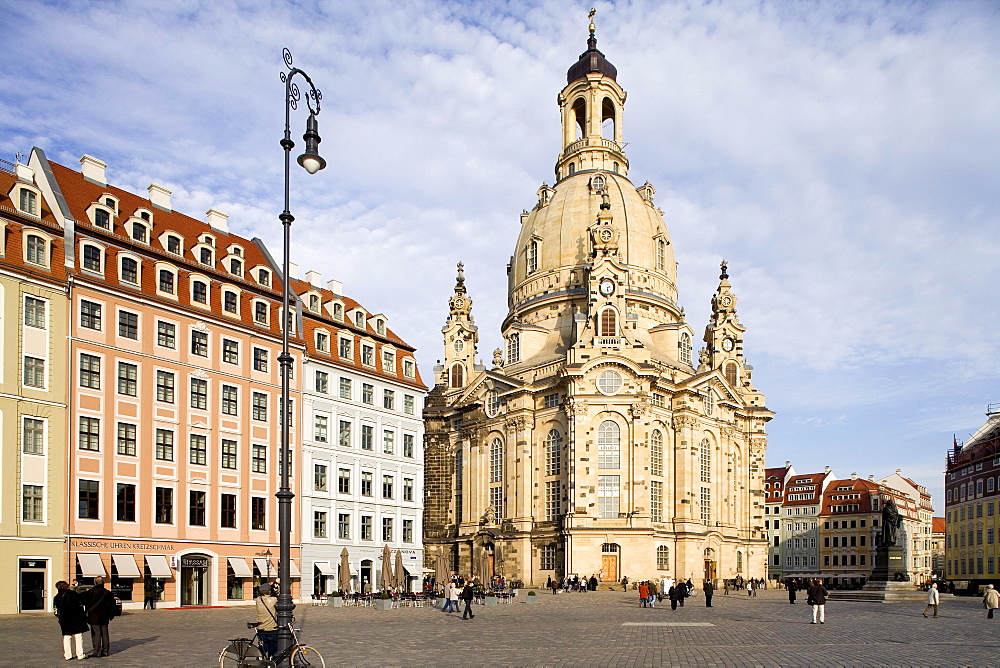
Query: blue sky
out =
(842, 156)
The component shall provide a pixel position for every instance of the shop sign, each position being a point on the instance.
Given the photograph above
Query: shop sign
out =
(196, 562)
(122, 545)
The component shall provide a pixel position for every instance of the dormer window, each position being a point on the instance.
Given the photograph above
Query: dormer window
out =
(235, 266)
(199, 292)
(264, 277)
(237, 251)
(359, 320)
(28, 202)
(130, 271)
(409, 368)
(144, 215)
(111, 204)
(102, 219)
(174, 244)
(380, 327)
(208, 239)
(338, 311)
(388, 361)
(166, 283)
(323, 342)
(260, 313)
(92, 258)
(229, 301)
(139, 232)
(205, 256)
(36, 250)
(314, 303)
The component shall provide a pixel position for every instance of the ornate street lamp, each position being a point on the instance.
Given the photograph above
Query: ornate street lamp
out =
(312, 162)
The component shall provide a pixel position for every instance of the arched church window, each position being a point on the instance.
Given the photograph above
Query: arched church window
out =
(496, 460)
(661, 254)
(532, 263)
(739, 561)
(608, 119)
(572, 168)
(706, 460)
(685, 348)
(731, 373)
(614, 167)
(608, 322)
(553, 452)
(708, 399)
(457, 375)
(656, 452)
(492, 403)
(609, 445)
(580, 119)
(513, 348)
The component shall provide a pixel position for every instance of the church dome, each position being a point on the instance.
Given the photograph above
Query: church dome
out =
(591, 60)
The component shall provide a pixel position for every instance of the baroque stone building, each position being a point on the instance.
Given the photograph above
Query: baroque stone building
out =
(597, 443)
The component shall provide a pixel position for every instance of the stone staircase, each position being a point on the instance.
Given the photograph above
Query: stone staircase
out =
(881, 592)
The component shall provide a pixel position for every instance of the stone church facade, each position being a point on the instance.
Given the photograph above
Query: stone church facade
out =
(598, 442)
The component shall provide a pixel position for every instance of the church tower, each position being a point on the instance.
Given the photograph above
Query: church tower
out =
(595, 444)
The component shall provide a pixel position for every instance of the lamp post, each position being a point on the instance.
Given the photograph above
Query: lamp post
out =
(311, 161)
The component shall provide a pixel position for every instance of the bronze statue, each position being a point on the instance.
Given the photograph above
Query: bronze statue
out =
(891, 519)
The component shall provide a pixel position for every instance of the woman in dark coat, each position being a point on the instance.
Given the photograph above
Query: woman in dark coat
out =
(72, 620)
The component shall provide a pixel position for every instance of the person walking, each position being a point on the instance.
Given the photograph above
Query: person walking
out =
(709, 590)
(101, 608)
(643, 594)
(467, 596)
(817, 599)
(72, 620)
(149, 594)
(792, 587)
(450, 599)
(267, 619)
(675, 594)
(725, 587)
(933, 598)
(749, 588)
(593, 582)
(991, 600)
(654, 593)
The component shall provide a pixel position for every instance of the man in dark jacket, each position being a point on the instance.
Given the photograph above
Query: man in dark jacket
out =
(792, 587)
(817, 599)
(709, 589)
(72, 619)
(101, 608)
(467, 596)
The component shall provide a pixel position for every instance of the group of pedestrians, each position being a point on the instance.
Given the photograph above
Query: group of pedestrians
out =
(79, 612)
(455, 593)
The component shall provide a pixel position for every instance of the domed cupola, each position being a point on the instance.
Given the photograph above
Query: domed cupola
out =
(591, 60)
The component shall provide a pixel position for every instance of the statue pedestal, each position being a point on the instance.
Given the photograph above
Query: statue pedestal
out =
(889, 565)
(889, 581)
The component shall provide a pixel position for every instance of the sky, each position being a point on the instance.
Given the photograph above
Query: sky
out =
(841, 156)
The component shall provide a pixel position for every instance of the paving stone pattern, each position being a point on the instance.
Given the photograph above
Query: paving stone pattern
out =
(592, 629)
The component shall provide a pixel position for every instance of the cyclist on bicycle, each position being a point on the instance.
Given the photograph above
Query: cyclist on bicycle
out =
(267, 618)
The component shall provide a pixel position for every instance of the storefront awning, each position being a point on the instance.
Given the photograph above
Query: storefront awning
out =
(240, 567)
(158, 566)
(125, 565)
(324, 567)
(293, 570)
(90, 565)
(265, 567)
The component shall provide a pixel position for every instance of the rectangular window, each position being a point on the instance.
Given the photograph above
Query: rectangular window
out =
(320, 431)
(387, 529)
(89, 499)
(345, 348)
(322, 382)
(366, 527)
(323, 342)
(164, 506)
(227, 511)
(260, 312)
(407, 489)
(166, 281)
(128, 325)
(408, 445)
(198, 451)
(367, 479)
(90, 433)
(319, 524)
(229, 456)
(408, 404)
(388, 361)
(165, 445)
(388, 400)
(497, 500)
(656, 500)
(196, 509)
(408, 532)
(199, 393)
(344, 435)
(34, 312)
(368, 355)
(706, 505)
(260, 359)
(367, 394)
(32, 506)
(32, 436)
(656, 453)
(608, 493)
(367, 437)
(344, 481)
(259, 406)
(319, 477)
(258, 458)
(290, 413)
(90, 371)
(388, 442)
(345, 388)
(165, 387)
(125, 502)
(34, 372)
(547, 558)
(230, 351)
(344, 526)
(553, 507)
(126, 439)
(90, 315)
(387, 487)
(258, 513)
(199, 343)
(230, 400)
(128, 375)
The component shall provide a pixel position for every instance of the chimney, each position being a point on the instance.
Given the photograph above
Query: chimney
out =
(854, 476)
(159, 196)
(826, 469)
(217, 220)
(336, 287)
(788, 464)
(313, 278)
(24, 173)
(93, 169)
(293, 271)
(871, 478)
(899, 472)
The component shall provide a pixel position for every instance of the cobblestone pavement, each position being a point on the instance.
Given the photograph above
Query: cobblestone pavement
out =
(593, 629)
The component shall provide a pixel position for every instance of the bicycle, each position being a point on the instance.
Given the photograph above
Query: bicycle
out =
(249, 652)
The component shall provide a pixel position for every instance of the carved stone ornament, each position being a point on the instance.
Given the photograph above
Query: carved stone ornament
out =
(639, 409)
(576, 409)
(681, 422)
(515, 424)
(498, 357)
(489, 518)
